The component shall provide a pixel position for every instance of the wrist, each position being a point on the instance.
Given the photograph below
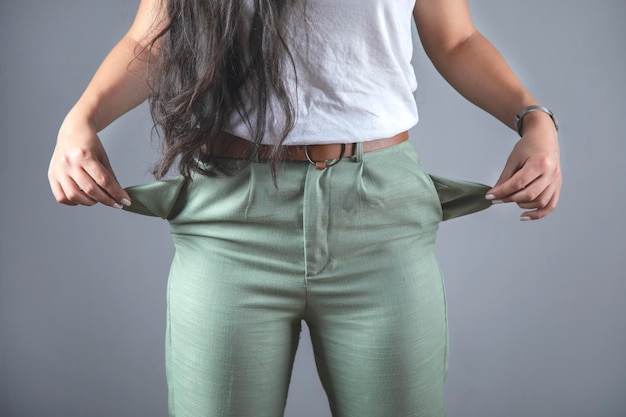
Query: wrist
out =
(76, 127)
(539, 133)
(537, 120)
(531, 117)
(79, 116)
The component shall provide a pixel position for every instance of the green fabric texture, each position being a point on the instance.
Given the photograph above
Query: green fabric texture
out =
(349, 250)
(457, 197)
(157, 198)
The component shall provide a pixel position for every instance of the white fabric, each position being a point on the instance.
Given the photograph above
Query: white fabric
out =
(355, 81)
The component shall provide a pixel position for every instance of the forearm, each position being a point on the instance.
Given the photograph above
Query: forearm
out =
(80, 172)
(121, 82)
(469, 62)
(477, 70)
(119, 85)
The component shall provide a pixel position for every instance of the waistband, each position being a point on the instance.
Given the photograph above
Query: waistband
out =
(321, 156)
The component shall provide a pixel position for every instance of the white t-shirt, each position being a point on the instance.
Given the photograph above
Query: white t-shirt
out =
(355, 81)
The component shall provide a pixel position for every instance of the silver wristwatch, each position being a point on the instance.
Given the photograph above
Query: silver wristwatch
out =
(519, 118)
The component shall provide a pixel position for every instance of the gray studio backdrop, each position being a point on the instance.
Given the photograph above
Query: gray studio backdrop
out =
(537, 310)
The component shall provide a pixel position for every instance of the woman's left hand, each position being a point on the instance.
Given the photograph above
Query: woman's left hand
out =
(532, 174)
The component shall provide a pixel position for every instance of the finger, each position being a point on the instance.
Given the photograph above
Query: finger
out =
(538, 202)
(107, 165)
(106, 181)
(542, 212)
(516, 183)
(88, 186)
(531, 192)
(59, 195)
(74, 194)
(528, 206)
(508, 171)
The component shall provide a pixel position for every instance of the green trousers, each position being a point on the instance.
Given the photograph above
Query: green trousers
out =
(348, 249)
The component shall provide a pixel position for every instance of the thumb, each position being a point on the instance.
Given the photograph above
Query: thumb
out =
(510, 168)
(104, 160)
(114, 189)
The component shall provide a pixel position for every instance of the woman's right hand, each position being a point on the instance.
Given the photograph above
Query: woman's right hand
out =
(80, 172)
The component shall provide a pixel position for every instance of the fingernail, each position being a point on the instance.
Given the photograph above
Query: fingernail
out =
(117, 205)
(497, 201)
(490, 197)
(126, 202)
(525, 218)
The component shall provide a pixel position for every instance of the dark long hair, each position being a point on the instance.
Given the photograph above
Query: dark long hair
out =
(217, 59)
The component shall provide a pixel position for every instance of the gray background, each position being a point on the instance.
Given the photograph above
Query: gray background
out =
(536, 309)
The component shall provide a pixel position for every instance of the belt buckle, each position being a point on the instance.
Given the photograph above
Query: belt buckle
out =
(324, 164)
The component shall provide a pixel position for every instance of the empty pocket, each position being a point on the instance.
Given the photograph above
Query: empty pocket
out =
(159, 199)
(459, 198)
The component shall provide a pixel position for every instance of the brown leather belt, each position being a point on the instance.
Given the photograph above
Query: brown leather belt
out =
(321, 156)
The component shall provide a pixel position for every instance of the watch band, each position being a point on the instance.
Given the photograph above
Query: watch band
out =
(519, 118)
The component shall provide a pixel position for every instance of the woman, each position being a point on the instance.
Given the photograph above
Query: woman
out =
(299, 197)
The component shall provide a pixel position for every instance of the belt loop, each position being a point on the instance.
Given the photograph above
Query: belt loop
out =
(255, 149)
(358, 154)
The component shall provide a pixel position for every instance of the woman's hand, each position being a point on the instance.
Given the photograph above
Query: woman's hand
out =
(471, 64)
(80, 172)
(532, 174)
